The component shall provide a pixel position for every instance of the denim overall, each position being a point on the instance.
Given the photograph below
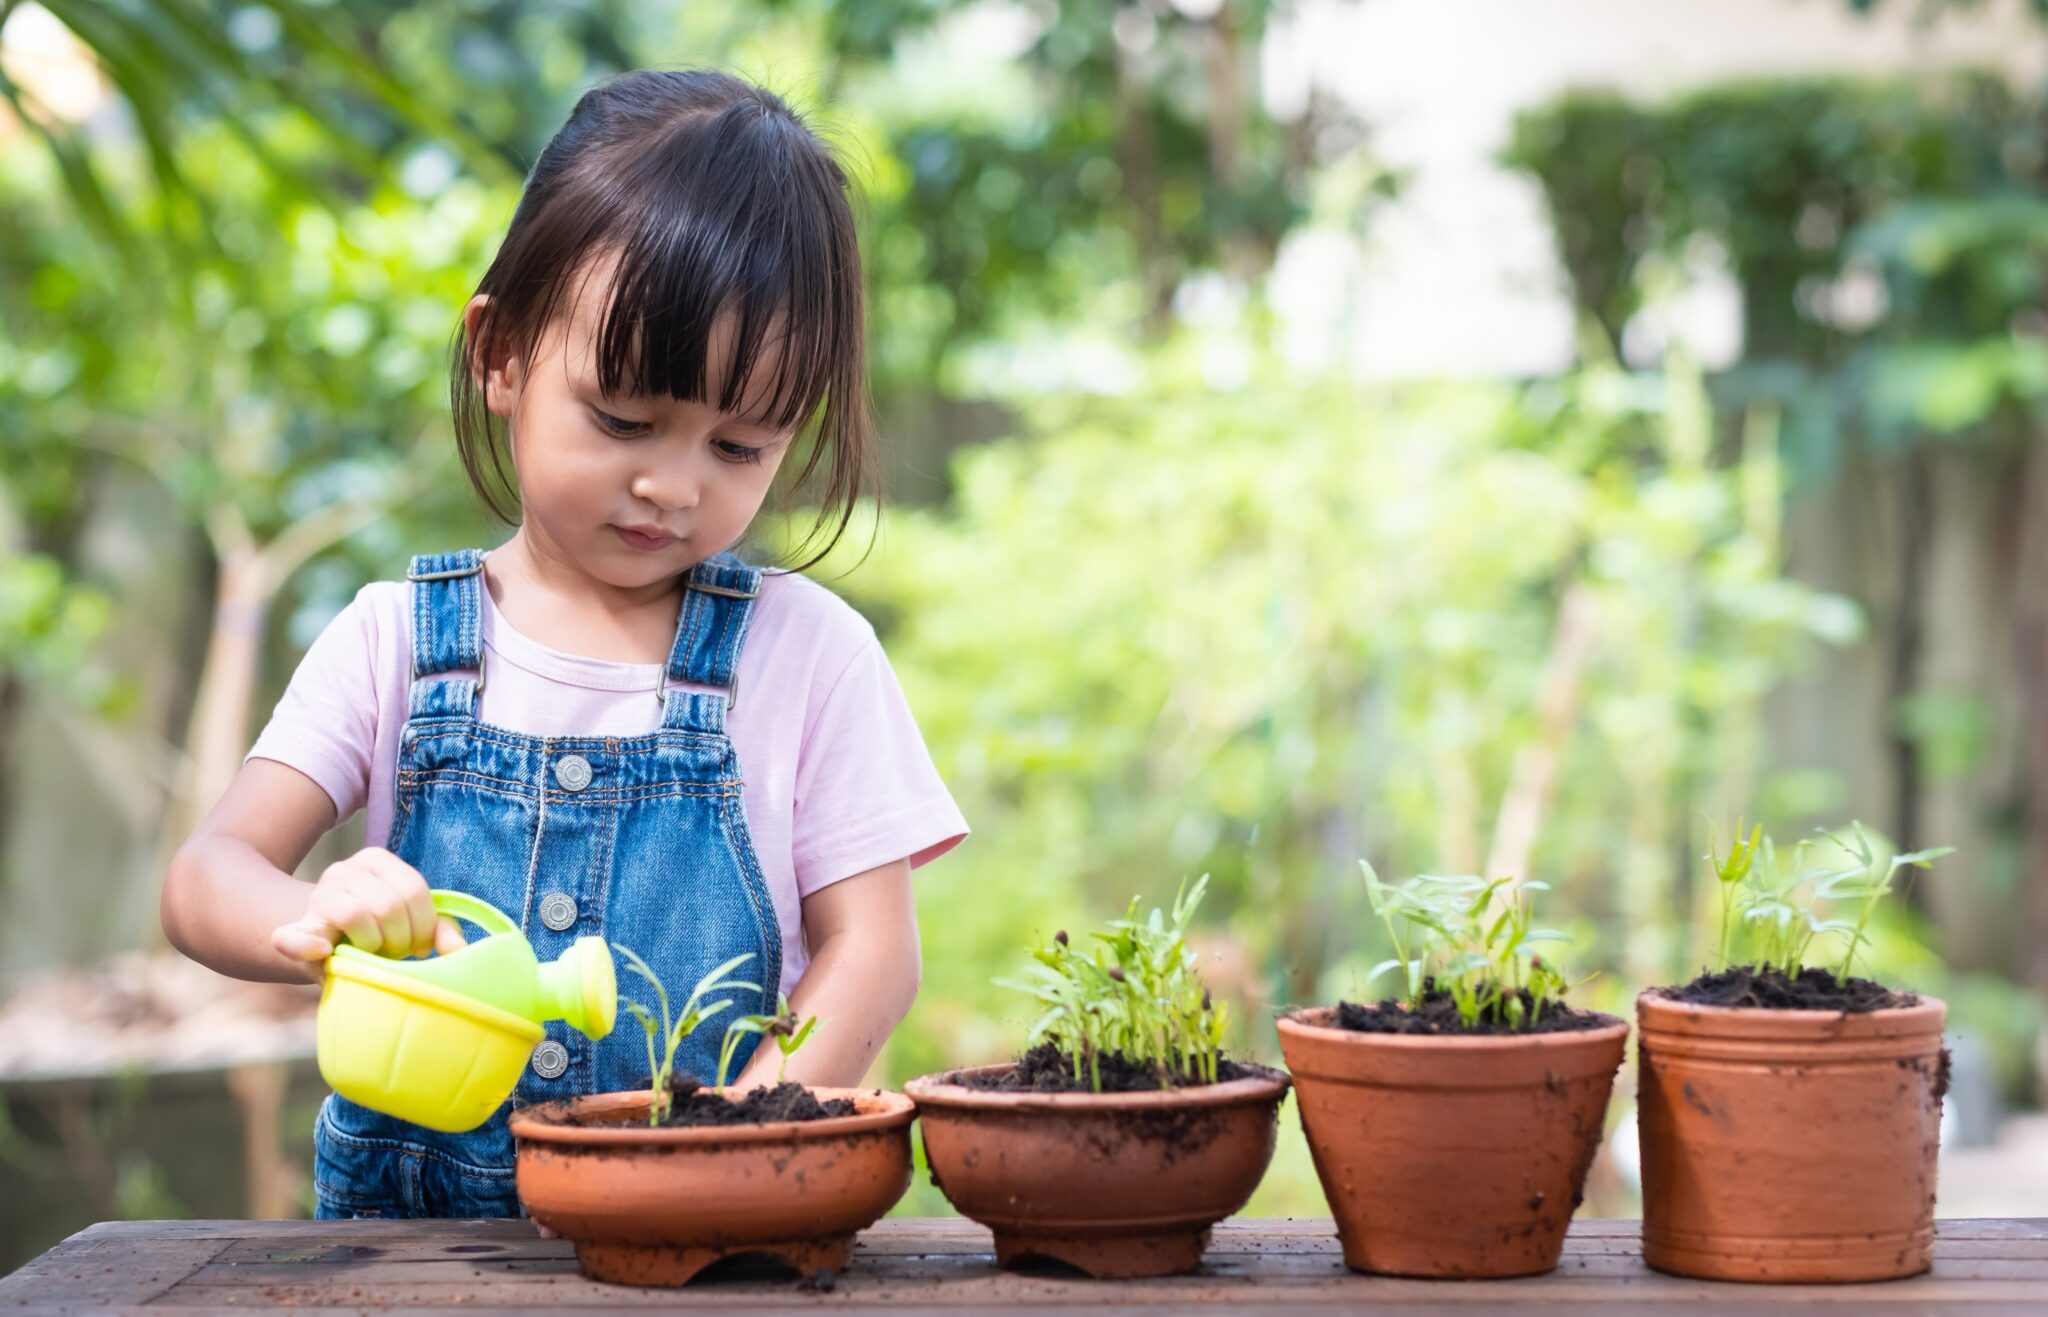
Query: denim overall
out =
(637, 839)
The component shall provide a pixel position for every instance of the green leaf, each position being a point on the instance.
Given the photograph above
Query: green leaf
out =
(1383, 967)
(794, 1041)
(1375, 891)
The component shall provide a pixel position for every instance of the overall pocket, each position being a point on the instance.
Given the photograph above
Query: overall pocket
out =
(355, 1176)
(366, 1164)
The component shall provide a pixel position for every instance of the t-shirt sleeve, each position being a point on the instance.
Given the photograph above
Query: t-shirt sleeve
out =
(325, 725)
(867, 792)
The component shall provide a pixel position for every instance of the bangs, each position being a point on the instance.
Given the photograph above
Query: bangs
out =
(723, 238)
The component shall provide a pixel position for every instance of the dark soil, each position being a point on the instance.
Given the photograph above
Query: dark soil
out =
(691, 1104)
(1771, 989)
(1045, 1069)
(1438, 1014)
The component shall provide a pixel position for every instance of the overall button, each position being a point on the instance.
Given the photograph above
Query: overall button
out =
(573, 772)
(558, 910)
(550, 1059)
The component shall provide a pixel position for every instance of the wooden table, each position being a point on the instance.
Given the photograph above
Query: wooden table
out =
(1292, 1265)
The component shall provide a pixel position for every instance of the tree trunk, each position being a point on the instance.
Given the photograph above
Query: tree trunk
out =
(56, 537)
(2030, 626)
(1138, 157)
(1533, 779)
(218, 733)
(247, 581)
(1916, 532)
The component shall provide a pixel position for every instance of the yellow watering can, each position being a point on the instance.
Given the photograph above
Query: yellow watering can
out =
(441, 1042)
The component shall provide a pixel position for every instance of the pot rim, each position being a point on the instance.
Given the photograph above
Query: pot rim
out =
(541, 1123)
(1661, 999)
(933, 1090)
(1659, 1013)
(1295, 1022)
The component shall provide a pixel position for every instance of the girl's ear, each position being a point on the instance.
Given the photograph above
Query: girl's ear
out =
(491, 364)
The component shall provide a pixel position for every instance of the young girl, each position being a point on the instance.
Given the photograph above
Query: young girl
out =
(609, 724)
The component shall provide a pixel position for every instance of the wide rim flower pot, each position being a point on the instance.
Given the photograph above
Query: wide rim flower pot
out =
(1789, 1145)
(655, 1206)
(1116, 1184)
(1451, 1156)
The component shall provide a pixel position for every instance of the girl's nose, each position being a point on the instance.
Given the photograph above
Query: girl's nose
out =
(675, 490)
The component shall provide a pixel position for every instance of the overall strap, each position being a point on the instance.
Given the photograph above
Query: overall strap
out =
(718, 600)
(447, 632)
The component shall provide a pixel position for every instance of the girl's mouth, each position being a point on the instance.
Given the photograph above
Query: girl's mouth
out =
(645, 540)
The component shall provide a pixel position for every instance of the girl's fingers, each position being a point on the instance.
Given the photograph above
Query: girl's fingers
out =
(408, 928)
(354, 911)
(381, 904)
(304, 939)
(448, 936)
(396, 918)
(426, 925)
(388, 900)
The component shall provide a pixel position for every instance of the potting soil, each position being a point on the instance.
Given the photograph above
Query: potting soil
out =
(691, 1104)
(1046, 1069)
(1438, 1014)
(1772, 989)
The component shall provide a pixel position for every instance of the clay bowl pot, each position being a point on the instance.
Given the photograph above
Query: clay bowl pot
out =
(1447, 1156)
(1789, 1145)
(1117, 1184)
(651, 1206)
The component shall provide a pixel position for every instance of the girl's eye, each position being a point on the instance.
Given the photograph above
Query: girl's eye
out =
(619, 426)
(737, 452)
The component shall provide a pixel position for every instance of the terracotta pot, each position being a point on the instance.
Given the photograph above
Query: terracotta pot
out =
(1451, 1156)
(1789, 1145)
(651, 1206)
(1117, 1184)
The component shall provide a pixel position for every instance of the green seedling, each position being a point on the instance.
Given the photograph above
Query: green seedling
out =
(781, 1027)
(668, 1033)
(1775, 903)
(1469, 938)
(1134, 991)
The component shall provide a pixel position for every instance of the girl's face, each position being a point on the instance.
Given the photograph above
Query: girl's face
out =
(632, 491)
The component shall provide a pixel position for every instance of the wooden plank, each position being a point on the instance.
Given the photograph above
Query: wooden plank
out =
(97, 1268)
(912, 1281)
(994, 1292)
(931, 1266)
(1286, 1272)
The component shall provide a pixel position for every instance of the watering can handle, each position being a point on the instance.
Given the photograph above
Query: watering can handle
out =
(481, 913)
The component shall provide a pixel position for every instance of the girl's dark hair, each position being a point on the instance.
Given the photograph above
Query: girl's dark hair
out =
(718, 200)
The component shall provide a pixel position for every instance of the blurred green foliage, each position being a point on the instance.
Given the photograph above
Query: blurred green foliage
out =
(1890, 240)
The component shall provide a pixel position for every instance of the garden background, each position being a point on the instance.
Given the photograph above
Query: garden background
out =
(1503, 435)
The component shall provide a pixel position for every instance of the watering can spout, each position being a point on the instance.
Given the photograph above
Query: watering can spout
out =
(582, 988)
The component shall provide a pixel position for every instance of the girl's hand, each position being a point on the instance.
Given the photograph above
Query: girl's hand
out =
(374, 899)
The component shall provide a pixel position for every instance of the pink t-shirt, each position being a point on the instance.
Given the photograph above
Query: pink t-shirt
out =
(838, 781)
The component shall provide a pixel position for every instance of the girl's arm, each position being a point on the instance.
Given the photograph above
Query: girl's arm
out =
(862, 977)
(231, 903)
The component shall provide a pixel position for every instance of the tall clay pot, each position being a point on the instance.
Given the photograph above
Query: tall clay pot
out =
(655, 1206)
(1787, 1145)
(1117, 1184)
(1451, 1156)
